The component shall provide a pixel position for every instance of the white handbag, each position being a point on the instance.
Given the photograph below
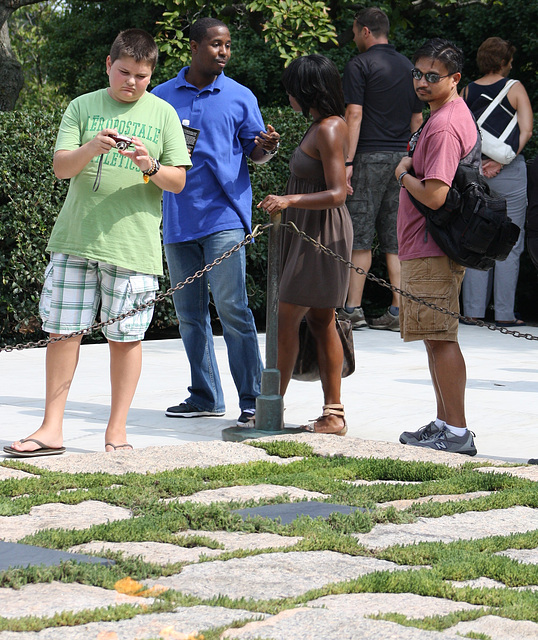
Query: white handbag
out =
(493, 147)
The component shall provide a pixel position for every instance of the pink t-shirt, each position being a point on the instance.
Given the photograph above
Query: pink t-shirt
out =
(447, 137)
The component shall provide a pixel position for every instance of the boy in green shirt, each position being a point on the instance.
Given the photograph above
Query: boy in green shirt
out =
(105, 245)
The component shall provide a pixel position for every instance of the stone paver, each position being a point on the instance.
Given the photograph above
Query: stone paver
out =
(156, 552)
(233, 541)
(324, 445)
(527, 556)
(187, 620)
(248, 492)
(152, 459)
(408, 604)
(528, 473)
(359, 483)
(310, 623)
(488, 583)
(272, 575)
(60, 516)
(6, 474)
(498, 628)
(44, 600)
(461, 526)
(457, 497)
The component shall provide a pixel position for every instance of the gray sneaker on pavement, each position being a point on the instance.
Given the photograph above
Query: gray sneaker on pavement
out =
(445, 440)
(356, 317)
(425, 432)
(387, 321)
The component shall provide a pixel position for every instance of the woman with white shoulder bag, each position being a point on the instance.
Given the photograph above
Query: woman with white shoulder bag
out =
(504, 114)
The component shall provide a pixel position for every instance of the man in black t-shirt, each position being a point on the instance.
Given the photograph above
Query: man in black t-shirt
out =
(382, 110)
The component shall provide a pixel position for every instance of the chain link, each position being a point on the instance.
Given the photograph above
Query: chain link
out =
(290, 226)
(258, 230)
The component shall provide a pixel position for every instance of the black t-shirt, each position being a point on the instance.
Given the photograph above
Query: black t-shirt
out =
(380, 81)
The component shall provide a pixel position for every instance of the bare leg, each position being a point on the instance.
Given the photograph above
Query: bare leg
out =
(61, 363)
(448, 372)
(125, 368)
(362, 259)
(289, 319)
(393, 267)
(330, 358)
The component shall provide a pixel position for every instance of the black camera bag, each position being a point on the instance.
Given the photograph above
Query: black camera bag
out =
(472, 227)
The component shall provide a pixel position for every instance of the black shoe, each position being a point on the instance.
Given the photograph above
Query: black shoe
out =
(247, 418)
(186, 410)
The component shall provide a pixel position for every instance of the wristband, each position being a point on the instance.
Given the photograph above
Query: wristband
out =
(155, 166)
(400, 178)
(273, 151)
(349, 164)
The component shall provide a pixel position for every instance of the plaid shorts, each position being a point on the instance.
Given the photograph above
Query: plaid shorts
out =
(74, 287)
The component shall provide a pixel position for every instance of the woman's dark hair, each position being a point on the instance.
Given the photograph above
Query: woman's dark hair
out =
(314, 81)
(137, 44)
(443, 50)
(200, 28)
(493, 54)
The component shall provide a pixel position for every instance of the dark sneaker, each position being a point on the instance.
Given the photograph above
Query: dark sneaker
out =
(186, 410)
(387, 321)
(356, 317)
(247, 418)
(445, 440)
(425, 432)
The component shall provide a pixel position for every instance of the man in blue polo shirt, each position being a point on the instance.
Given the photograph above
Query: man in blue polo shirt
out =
(211, 216)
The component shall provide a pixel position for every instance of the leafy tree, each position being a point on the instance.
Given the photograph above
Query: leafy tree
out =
(11, 78)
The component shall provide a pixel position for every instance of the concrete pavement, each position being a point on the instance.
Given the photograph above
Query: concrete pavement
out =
(389, 392)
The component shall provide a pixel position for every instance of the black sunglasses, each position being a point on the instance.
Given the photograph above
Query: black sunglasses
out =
(431, 76)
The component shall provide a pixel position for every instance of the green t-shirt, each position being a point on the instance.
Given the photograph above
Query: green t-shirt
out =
(120, 222)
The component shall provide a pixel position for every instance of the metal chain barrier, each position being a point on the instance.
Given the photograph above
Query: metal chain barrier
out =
(291, 227)
(258, 230)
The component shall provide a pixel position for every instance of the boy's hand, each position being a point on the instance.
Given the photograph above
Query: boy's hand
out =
(139, 154)
(102, 143)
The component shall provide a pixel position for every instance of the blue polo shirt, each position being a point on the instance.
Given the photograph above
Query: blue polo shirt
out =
(218, 194)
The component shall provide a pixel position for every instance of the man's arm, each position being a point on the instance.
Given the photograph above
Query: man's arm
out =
(432, 193)
(354, 121)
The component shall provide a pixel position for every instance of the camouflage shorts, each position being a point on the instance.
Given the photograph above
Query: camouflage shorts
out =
(374, 204)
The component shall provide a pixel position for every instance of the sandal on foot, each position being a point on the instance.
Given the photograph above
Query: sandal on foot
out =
(43, 450)
(125, 445)
(316, 426)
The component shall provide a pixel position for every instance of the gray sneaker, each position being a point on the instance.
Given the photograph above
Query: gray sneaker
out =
(356, 317)
(387, 321)
(445, 440)
(425, 432)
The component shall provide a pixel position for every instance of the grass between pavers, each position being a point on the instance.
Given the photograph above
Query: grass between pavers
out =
(161, 522)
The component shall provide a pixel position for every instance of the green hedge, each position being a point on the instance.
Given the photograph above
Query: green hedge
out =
(31, 197)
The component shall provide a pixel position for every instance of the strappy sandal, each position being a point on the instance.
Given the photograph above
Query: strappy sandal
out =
(319, 424)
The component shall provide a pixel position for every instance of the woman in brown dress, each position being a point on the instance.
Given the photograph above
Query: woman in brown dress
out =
(312, 284)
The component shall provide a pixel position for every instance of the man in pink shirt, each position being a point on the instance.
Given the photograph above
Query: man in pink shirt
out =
(448, 136)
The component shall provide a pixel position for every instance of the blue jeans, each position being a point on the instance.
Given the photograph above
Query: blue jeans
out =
(227, 283)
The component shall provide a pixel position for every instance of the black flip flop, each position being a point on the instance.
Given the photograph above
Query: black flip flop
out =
(42, 451)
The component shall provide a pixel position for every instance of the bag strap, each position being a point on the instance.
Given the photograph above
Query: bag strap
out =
(494, 103)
